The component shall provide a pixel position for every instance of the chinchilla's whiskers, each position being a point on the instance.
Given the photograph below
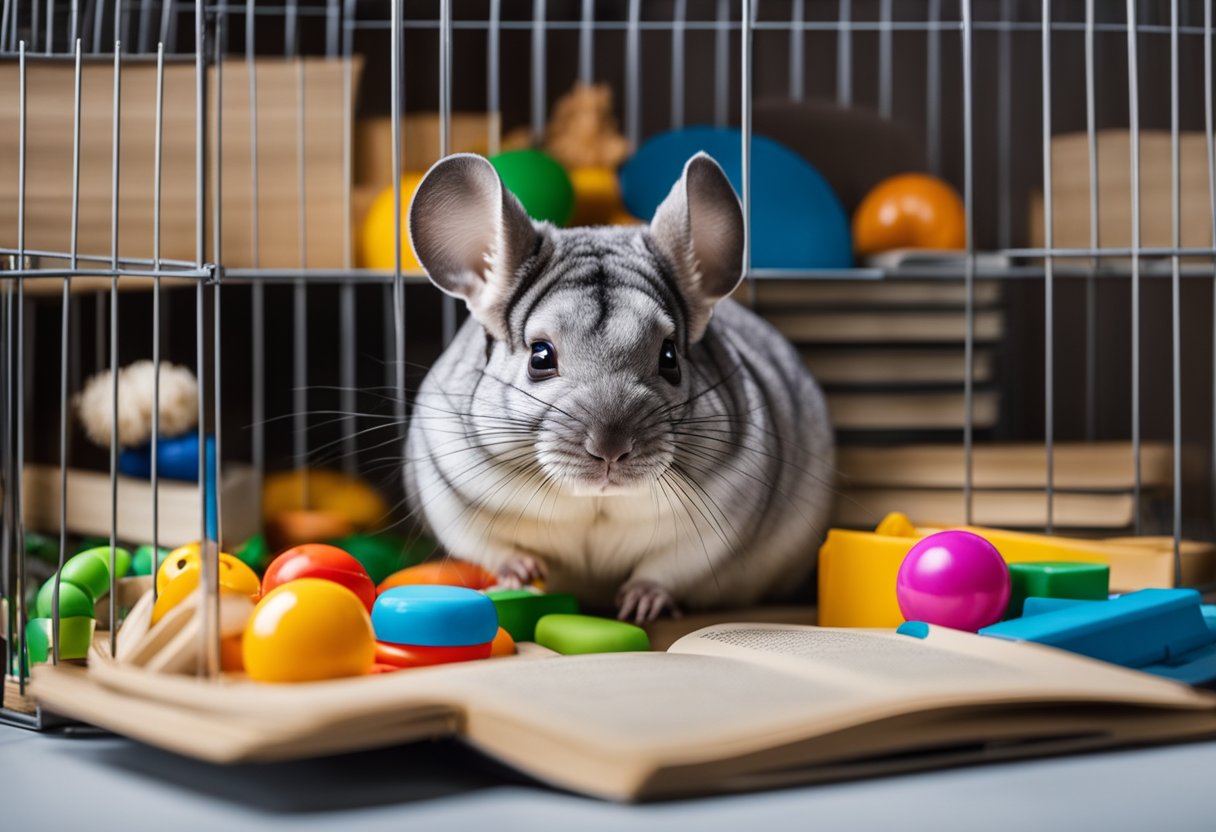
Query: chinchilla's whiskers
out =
(670, 486)
(518, 389)
(525, 479)
(742, 446)
(715, 517)
(695, 429)
(456, 481)
(713, 466)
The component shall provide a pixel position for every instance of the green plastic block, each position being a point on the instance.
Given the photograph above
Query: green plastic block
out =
(75, 636)
(141, 561)
(577, 634)
(1055, 579)
(520, 609)
(73, 601)
(382, 554)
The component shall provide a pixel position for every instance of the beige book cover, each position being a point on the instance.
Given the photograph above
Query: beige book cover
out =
(728, 707)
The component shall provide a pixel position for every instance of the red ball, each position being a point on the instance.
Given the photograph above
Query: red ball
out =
(320, 560)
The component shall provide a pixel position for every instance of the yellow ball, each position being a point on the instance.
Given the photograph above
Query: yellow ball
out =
(180, 576)
(597, 196)
(376, 236)
(307, 630)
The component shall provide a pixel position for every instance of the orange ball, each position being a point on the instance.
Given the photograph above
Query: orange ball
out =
(911, 210)
(307, 630)
(449, 572)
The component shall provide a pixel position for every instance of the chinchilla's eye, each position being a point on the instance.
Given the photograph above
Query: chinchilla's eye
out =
(669, 362)
(542, 363)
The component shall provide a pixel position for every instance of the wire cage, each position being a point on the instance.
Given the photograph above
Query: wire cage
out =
(184, 181)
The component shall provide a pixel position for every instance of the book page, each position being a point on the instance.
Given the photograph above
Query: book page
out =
(638, 700)
(948, 665)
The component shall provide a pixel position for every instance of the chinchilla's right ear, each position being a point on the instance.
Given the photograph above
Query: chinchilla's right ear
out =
(471, 235)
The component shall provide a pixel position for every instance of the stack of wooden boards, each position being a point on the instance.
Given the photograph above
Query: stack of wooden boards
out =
(889, 354)
(1094, 484)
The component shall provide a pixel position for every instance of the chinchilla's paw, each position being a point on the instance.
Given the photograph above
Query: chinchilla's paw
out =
(643, 601)
(520, 571)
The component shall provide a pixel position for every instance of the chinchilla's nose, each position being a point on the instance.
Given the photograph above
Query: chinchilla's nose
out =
(610, 444)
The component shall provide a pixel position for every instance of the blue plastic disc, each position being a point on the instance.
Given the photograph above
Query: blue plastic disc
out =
(797, 219)
(426, 615)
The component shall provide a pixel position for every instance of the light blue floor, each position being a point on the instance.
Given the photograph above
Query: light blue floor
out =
(52, 783)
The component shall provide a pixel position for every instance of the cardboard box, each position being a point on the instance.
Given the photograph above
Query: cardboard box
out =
(1070, 191)
(281, 86)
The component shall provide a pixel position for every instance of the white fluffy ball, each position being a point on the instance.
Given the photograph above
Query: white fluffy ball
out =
(178, 403)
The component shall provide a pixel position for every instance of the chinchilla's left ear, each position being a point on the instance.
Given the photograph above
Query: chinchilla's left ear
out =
(471, 235)
(699, 228)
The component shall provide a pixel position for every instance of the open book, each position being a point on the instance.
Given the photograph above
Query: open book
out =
(729, 707)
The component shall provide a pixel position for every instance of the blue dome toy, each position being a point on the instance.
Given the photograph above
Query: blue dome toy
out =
(797, 222)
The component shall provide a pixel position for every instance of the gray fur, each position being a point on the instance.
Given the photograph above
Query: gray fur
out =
(724, 493)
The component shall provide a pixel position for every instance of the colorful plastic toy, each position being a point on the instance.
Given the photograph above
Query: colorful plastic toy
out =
(503, 644)
(796, 222)
(254, 552)
(520, 609)
(1162, 631)
(177, 562)
(376, 234)
(434, 616)
(73, 601)
(911, 210)
(307, 630)
(75, 638)
(90, 571)
(383, 554)
(141, 560)
(122, 558)
(578, 634)
(320, 560)
(301, 526)
(539, 182)
(176, 458)
(857, 569)
(597, 198)
(334, 492)
(415, 655)
(1054, 579)
(954, 579)
(449, 572)
(183, 573)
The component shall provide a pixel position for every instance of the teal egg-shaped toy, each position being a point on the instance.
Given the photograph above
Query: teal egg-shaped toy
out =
(797, 221)
(539, 182)
(429, 615)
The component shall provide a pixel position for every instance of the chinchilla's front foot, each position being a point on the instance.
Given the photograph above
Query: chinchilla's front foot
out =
(644, 601)
(520, 571)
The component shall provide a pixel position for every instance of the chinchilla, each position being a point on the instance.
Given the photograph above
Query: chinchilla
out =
(608, 419)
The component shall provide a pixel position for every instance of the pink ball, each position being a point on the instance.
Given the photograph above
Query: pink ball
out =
(953, 579)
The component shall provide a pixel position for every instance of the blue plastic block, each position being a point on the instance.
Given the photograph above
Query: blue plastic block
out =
(1209, 617)
(916, 629)
(1141, 628)
(1197, 667)
(1038, 606)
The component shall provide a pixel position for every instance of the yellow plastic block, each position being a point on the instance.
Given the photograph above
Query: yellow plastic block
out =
(857, 570)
